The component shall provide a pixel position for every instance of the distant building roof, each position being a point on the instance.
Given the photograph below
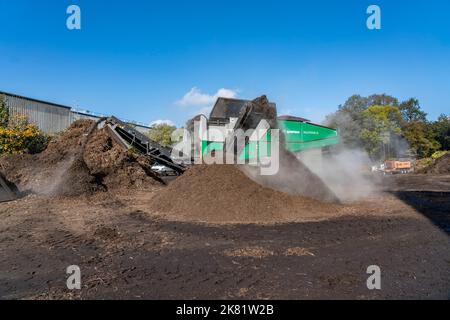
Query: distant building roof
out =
(292, 118)
(35, 100)
(73, 110)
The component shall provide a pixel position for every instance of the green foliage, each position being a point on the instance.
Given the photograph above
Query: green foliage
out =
(17, 135)
(387, 128)
(417, 130)
(441, 129)
(380, 124)
(161, 133)
(354, 124)
(38, 143)
(438, 154)
(411, 111)
(4, 112)
(388, 117)
(420, 138)
(348, 120)
(354, 105)
(381, 100)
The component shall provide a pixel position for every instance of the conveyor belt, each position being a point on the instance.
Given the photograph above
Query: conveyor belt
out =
(129, 137)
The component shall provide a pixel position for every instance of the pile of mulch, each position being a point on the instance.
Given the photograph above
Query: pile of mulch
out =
(223, 193)
(440, 166)
(81, 160)
(115, 167)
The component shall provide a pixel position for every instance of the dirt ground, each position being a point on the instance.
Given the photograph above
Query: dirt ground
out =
(126, 251)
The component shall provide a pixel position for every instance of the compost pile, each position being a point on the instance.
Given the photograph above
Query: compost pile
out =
(223, 193)
(82, 160)
(228, 193)
(440, 166)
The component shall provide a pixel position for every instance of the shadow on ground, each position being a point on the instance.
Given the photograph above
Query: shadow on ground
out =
(434, 205)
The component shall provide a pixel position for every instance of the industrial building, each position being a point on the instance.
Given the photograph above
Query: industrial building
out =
(52, 117)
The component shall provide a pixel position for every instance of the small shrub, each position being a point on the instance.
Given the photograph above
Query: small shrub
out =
(438, 154)
(20, 136)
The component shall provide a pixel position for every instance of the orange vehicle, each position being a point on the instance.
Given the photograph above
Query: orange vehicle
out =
(395, 166)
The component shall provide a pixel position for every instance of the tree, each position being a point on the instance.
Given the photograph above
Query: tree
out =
(382, 100)
(380, 125)
(417, 130)
(4, 112)
(421, 138)
(355, 105)
(162, 133)
(411, 111)
(387, 128)
(351, 121)
(348, 119)
(441, 129)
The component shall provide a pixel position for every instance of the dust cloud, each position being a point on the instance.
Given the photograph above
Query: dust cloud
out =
(345, 171)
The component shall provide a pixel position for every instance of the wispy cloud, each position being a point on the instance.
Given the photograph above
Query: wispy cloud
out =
(157, 122)
(204, 101)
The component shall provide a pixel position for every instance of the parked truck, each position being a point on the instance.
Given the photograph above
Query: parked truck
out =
(398, 166)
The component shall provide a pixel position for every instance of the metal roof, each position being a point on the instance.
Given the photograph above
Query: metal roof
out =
(35, 100)
(293, 118)
(73, 110)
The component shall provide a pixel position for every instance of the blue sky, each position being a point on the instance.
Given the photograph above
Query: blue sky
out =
(150, 60)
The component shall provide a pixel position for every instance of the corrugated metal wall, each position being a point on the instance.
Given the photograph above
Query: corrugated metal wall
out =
(50, 118)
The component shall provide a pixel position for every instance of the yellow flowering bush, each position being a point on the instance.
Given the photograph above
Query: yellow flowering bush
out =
(19, 136)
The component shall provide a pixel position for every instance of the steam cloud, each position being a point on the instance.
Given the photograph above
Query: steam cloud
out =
(344, 171)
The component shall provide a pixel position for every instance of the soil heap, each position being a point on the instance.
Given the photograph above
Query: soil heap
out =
(223, 193)
(440, 166)
(81, 160)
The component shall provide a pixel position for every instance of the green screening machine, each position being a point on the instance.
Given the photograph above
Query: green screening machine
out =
(228, 119)
(228, 115)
